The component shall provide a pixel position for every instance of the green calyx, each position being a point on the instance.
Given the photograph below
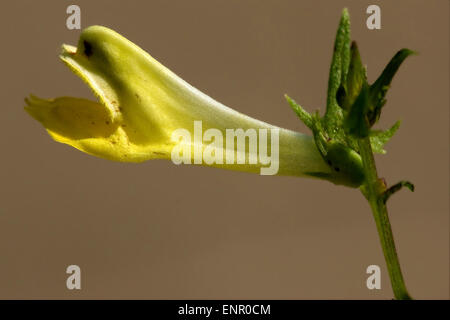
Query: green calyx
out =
(353, 107)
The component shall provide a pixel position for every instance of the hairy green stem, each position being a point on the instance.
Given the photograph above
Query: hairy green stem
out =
(373, 189)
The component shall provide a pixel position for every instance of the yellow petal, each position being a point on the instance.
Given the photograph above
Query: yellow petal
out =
(88, 126)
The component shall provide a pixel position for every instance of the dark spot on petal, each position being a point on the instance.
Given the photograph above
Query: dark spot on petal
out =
(87, 48)
(337, 169)
(329, 162)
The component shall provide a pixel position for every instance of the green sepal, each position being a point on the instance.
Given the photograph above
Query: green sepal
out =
(304, 115)
(347, 161)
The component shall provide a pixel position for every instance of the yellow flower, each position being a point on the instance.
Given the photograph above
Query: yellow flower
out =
(141, 104)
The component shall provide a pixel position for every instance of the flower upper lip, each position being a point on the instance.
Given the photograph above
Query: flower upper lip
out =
(83, 69)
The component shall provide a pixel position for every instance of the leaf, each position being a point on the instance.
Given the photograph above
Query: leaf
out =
(338, 73)
(380, 87)
(396, 187)
(379, 138)
(356, 77)
(335, 146)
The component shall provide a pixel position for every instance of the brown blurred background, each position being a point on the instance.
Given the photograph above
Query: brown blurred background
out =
(156, 230)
